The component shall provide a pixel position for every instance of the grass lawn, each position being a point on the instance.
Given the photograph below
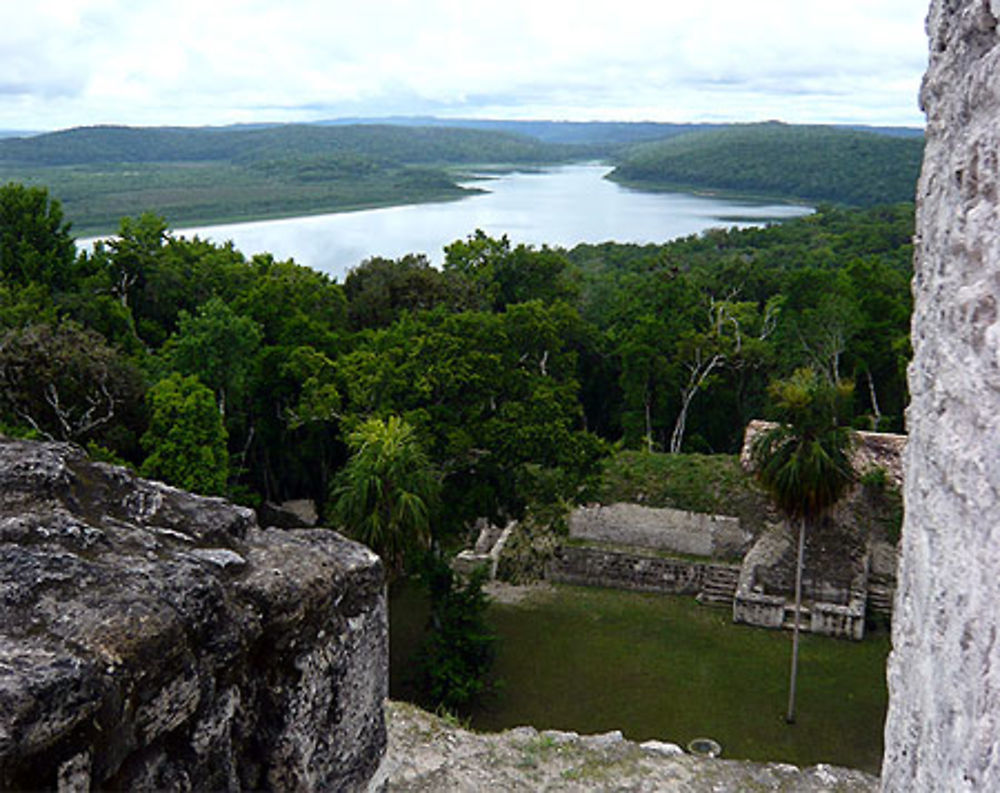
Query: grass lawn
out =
(665, 667)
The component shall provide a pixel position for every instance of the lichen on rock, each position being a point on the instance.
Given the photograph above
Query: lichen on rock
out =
(154, 639)
(943, 723)
(428, 754)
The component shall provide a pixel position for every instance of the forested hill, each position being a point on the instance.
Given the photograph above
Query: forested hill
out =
(612, 134)
(115, 144)
(208, 175)
(812, 163)
(608, 134)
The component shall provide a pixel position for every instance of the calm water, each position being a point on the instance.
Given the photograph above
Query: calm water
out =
(560, 206)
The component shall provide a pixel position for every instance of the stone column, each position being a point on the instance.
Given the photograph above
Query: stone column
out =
(943, 727)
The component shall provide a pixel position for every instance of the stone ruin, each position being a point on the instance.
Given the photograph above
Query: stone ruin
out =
(849, 568)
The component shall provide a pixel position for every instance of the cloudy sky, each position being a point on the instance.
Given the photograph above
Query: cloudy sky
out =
(146, 62)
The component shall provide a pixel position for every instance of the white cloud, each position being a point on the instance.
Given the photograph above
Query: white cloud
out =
(69, 62)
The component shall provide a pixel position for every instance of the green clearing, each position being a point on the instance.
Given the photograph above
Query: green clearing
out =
(95, 198)
(713, 483)
(592, 660)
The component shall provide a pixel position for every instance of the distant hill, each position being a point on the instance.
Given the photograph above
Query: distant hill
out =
(593, 133)
(812, 163)
(201, 175)
(583, 132)
(385, 143)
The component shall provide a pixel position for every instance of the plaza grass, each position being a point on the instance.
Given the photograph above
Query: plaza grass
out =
(665, 667)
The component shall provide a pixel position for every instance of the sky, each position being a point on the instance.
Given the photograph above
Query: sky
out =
(72, 63)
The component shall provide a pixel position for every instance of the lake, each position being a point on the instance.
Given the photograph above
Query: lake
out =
(558, 206)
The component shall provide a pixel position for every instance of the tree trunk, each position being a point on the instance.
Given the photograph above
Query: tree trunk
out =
(793, 678)
(876, 412)
(649, 421)
(699, 373)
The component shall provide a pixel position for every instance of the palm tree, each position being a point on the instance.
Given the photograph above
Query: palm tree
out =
(386, 494)
(804, 464)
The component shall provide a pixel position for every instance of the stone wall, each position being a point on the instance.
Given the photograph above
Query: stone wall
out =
(841, 621)
(634, 570)
(673, 530)
(760, 609)
(765, 591)
(873, 449)
(155, 640)
(943, 725)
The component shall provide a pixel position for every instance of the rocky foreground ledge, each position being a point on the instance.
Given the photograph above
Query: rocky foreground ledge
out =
(155, 640)
(427, 753)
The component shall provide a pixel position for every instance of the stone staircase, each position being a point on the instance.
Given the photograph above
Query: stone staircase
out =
(719, 585)
(880, 597)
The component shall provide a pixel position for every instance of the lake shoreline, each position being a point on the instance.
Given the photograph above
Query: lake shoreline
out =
(464, 177)
(709, 192)
(228, 219)
(558, 206)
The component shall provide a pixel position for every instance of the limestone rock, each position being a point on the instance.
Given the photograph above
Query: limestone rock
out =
(296, 514)
(943, 725)
(661, 528)
(428, 754)
(153, 639)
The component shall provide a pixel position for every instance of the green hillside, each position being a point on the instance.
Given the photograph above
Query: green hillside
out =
(811, 163)
(382, 142)
(211, 175)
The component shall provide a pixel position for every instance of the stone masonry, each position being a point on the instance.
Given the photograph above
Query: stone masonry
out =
(943, 726)
(151, 639)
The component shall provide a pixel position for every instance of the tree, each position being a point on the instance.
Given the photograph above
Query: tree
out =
(804, 464)
(35, 243)
(388, 491)
(734, 335)
(293, 305)
(488, 392)
(506, 275)
(378, 290)
(218, 346)
(66, 383)
(140, 242)
(454, 661)
(186, 440)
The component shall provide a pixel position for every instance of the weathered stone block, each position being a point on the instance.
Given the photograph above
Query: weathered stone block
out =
(153, 639)
(661, 528)
(943, 725)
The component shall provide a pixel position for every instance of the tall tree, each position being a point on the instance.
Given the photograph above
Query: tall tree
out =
(139, 243)
(385, 496)
(218, 346)
(186, 440)
(804, 463)
(66, 383)
(455, 658)
(35, 243)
